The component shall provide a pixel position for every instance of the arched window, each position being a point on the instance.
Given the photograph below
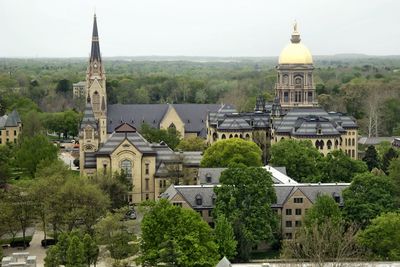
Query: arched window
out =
(236, 136)
(215, 137)
(96, 101)
(353, 142)
(172, 125)
(126, 167)
(317, 144)
(298, 82)
(223, 136)
(336, 143)
(247, 136)
(353, 153)
(321, 144)
(241, 136)
(285, 79)
(329, 144)
(199, 200)
(345, 141)
(230, 136)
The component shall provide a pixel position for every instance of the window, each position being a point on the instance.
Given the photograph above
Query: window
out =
(298, 200)
(96, 101)
(199, 200)
(288, 223)
(177, 204)
(298, 223)
(1, 141)
(147, 183)
(7, 133)
(329, 144)
(15, 133)
(288, 235)
(297, 97)
(126, 167)
(214, 198)
(353, 153)
(147, 169)
(288, 211)
(200, 212)
(164, 183)
(298, 211)
(286, 79)
(310, 97)
(160, 184)
(104, 169)
(147, 196)
(286, 97)
(208, 178)
(209, 213)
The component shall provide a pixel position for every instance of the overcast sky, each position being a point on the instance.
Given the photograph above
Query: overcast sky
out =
(62, 28)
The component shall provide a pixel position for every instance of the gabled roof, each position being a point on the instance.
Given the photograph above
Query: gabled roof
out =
(125, 128)
(191, 192)
(95, 51)
(11, 120)
(192, 115)
(116, 139)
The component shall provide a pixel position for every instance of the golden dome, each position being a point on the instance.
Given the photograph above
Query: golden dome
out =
(295, 52)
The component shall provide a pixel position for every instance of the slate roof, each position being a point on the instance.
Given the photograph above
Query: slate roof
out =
(283, 192)
(193, 115)
(211, 176)
(90, 160)
(117, 138)
(95, 51)
(11, 120)
(88, 117)
(376, 140)
(314, 121)
(225, 120)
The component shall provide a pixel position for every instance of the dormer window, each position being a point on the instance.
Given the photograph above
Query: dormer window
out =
(208, 178)
(199, 200)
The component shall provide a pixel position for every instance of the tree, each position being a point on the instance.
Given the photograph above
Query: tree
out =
(387, 158)
(323, 209)
(64, 86)
(75, 253)
(244, 198)
(232, 152)
(367, 197)
(338, 167)
(170, 136)
(32, 151)
(90, 250)
(19, 199)
(324, 235)
(192, 144)
(113, 232)
(299, 157)
(5, 161)
(225, 238)
(171, 230)
(32, 124)
(382, 237)
(116, 186)
(371, 158)
(52, 258)
(394, 174)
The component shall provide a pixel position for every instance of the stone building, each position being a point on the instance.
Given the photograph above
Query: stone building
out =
(294, 113)
(109, 141)
(79, 90)
(293, 199)
(10, 128)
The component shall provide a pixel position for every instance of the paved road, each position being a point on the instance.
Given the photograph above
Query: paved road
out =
(35, 249)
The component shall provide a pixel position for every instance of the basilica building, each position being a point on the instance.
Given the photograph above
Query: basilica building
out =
(110, 142)
(294, 113)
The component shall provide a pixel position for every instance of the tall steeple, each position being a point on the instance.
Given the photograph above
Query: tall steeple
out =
(96, 83)
(95, 52)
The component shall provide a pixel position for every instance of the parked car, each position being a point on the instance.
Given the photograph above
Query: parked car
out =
(48, 242)
(130, 215)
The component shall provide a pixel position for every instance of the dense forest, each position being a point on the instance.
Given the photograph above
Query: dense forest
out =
(365, 87)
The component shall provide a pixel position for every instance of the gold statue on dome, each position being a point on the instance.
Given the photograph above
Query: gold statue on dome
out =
(295, 26)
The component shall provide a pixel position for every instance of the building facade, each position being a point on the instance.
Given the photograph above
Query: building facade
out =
(10, 128)
(294, 113)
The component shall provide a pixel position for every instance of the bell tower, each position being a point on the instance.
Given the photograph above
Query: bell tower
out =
(96, 84)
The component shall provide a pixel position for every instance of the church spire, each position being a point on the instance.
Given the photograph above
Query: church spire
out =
(95, 52)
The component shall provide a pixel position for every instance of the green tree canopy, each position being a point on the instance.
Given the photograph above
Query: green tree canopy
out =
(325, 208)
(232, 152)
(32, 151)
(367, 197)
(192, 144)
(244, 198)
(371, 158)
(300, 159)
(382, 237)
(225, 238)
(170, 136)
(394, 174)
(389, 155)
(170, 230)
(338, 167)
